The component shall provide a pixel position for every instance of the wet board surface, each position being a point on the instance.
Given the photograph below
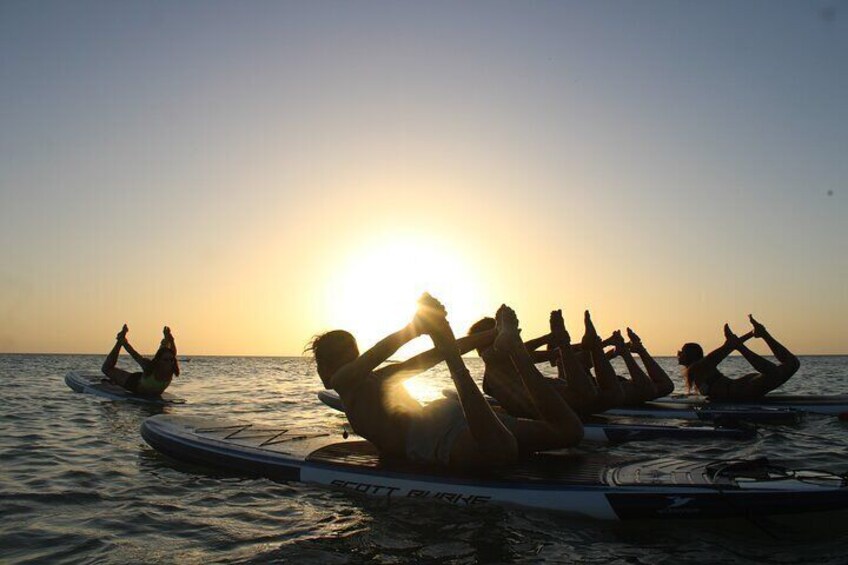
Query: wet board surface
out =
(605, 432)
(673, 411)
(94, 384)
(596, 486)
(813, 404)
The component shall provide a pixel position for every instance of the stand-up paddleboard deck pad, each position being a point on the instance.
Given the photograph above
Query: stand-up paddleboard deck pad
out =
(597, 486)
(94, 383)
(812, 404)
(619, 433)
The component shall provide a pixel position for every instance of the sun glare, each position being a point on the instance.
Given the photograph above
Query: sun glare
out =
(376, 289)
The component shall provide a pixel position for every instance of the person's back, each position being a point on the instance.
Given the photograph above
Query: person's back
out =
(379, 413)
(156, 374)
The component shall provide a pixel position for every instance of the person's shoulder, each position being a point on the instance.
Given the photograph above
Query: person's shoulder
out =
(349, 382)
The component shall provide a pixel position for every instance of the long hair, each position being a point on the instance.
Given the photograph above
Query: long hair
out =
(332, 350)
(692, 352)
(172, 347)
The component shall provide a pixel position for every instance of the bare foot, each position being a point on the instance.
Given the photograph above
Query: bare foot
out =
(617, 340)
(122, 335)
(431, 315)
(635, 341)
(558, 331)
(508, 332)
(759, 329)
(731, 338)
(590, 338)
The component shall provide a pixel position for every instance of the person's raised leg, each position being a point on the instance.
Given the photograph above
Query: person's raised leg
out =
(758, 362)
(560, 426)
(643, 385)
(115, 375)
(112, 357)
(611, 393)
(662, 382)
(490, 441)
(578, 380)
(780, 352)
(789, 363)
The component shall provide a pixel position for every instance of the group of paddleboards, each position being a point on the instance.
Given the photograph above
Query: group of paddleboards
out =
(509, 446)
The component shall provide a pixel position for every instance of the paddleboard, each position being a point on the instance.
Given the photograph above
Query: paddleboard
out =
(617, 433)
(94, 383)
(726, 415)
(758, 414)
(832, 404)
(596, 486)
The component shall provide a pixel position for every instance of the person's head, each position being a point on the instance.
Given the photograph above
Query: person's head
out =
(482, 325)
(165, 361)
(332, 351)
(689, 354)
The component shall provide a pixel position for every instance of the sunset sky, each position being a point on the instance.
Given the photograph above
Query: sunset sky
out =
(253, 173)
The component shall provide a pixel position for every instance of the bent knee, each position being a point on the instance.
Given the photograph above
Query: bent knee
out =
(791, 366)
(572, 435)
(664, 389)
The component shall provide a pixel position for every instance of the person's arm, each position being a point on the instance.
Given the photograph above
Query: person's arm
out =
(536, 343)
(703, 367)
(143, 362)
(400, 372)
(374, 357)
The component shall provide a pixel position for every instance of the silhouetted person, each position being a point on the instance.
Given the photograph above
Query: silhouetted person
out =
(702, 372)
(156, 374)
(584, 393)
(642, 386)
(457, 432)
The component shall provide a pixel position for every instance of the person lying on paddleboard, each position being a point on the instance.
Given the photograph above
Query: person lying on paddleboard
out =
(583, 393)
(156, 374)
(702, 372)
(621, 391)
(643, 385)
(457, 432)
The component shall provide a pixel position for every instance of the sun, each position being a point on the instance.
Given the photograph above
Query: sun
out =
(374, 291)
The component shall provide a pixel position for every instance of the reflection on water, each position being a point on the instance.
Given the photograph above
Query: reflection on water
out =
(79, 483)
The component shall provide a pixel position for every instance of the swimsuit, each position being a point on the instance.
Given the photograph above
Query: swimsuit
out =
(146, 384)
(431, 436)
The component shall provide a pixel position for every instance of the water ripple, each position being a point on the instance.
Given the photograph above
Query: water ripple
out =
(79, 485)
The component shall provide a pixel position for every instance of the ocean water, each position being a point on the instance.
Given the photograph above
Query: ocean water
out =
(79, 485)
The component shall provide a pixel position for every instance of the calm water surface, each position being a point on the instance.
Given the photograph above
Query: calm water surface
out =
(79, 485)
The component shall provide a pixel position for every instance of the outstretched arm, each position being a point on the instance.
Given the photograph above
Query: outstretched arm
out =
(143, 362)
(700, 369)
(536, 343)
(400, 372)
(374, 357)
